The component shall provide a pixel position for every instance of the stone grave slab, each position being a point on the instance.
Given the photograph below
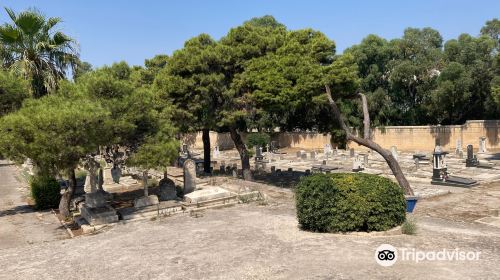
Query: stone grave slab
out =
(205, 194)
(146, 201)
(100, 215)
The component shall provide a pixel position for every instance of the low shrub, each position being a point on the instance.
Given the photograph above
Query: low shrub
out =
(345, 202)
(45, 191)
(409, 227)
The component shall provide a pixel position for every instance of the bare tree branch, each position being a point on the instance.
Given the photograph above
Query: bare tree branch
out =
(366, 142)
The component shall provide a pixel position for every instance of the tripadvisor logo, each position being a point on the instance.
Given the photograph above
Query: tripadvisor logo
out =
(387, 255)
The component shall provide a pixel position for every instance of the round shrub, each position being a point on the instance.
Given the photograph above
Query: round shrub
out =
(45, 191)
(343, 202)
(258, 139)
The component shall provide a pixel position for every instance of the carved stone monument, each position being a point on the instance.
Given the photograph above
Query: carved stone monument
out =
(189, 176)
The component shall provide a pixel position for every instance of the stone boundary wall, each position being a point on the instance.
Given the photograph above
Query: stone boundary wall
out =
(405, 138)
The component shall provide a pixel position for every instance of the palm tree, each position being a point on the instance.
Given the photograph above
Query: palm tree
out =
(32, 48)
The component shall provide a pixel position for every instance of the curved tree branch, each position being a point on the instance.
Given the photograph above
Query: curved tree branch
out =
(367, 142)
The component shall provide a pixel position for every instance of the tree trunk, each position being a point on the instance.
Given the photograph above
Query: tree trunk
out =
(67, 195)
(145, 182)
(242, 150)
(206, 150)
(387, 155)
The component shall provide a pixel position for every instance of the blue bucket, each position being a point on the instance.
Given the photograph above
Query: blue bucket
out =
(411, 201)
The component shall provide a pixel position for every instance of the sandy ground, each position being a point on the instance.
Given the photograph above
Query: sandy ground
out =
(19, 224)
(250, 241)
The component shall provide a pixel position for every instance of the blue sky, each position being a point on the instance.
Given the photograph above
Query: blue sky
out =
(110, 31)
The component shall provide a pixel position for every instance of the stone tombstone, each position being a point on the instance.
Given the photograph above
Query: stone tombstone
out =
(482, 145)
(461, 154)
(327, 149)
(167, 189)
(189, 169)
(299, 154)
(351, 152)
(92, 166)
(323, 162)
(313, 155)
(304, 155)
(116, 173)
(365, 159)
(216, 152)
(417, 163)
(222, 167)
(258, 152)
(458, 146)
(394, 152)
(185, 149)
(470, 152)
(336, 151)
(357, 165)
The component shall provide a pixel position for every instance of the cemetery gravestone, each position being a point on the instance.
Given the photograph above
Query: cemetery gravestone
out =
(482, 145)
(394, 152)
(189, 176)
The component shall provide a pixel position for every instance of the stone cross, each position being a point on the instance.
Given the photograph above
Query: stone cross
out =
(92, 166)
(189, 176)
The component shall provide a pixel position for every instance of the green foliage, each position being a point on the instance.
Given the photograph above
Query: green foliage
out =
(33, 47)
(45, 191)
(13, 90)
(258, 139)
(409, 227)
(345, 202)
(54, 131)
(80, 174)
(158, 150)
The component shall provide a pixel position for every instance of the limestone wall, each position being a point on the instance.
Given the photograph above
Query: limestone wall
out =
(405, 138)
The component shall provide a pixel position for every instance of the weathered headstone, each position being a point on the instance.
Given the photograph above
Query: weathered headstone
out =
(92, 166)
(216, 152)
(471, 160)
(299, 154)
(458, 146)
(482, 145)
(167, 189)
(258, 153)
(116, 173)
(189, 176)
(357, 165)
(313, 155)
(417, 163)
(303, 155)
(365, 159)
(351, 152)
(222, 167)
(394, 152)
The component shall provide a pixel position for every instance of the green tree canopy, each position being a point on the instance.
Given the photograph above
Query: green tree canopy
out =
(34, 49)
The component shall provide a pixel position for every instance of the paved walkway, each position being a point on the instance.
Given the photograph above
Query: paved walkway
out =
(19, 224)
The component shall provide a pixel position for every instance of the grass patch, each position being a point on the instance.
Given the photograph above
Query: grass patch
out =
(409, 226)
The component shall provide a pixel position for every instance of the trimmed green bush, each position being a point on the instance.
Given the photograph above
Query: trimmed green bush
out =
(45, 191)
(257, 139)
(343, 202)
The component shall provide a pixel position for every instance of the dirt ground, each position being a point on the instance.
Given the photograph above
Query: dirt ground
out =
(19, 224)
(252, 241)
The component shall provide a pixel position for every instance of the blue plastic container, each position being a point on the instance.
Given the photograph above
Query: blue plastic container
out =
(411, 201)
